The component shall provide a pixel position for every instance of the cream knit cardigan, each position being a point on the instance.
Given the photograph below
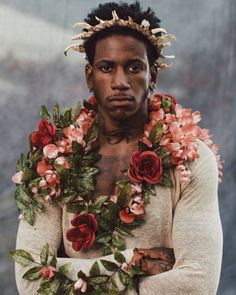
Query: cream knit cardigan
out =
(184, 218)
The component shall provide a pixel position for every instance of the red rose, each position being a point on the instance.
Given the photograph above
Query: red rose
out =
(92, 100)
(145, 166)
(44, 135)
(166, 101)
(82, 235)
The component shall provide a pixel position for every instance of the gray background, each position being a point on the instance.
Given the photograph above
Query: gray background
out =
(33, 71)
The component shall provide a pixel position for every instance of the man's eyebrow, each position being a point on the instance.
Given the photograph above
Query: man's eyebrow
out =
(134, 60)
(105, 61)
(128, 62)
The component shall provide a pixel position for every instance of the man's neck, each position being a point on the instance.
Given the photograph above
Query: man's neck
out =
(113, 129)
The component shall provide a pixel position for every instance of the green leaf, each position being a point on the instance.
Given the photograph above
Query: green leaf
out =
(81, 275)
(106, 250)
(110, 266)
(124, 277)
(30, 216)
(44, 113)
(124, 196)
(142, 146)
(92, 134)
(44, 288)
(66, 118)
(22, 257)
(118, 242)
(38, 206)
(113, 209)
(75, 111)
(123, 230)
(33, 273)
(89, 171)
(64, 269)
(136, 270)
(94, 271)
(112, 287)
(100, 201)
(21, 163)
(21, 194)
(156, 133)
(99, 279)
(53, 261)
(54, 287)
(166, 181)
(75, 207)
(56, 114)
(119, 257)
(44, 254)
(103, 238)
(77, 148)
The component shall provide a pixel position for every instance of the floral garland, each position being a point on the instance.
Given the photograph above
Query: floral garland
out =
(61, 167)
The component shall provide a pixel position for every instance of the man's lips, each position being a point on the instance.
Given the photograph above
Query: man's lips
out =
(120, 98)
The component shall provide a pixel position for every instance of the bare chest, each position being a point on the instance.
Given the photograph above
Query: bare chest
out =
(111, 167)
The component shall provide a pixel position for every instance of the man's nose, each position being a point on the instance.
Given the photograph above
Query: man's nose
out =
(120, 80)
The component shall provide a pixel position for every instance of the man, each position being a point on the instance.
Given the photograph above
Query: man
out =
(124, 55)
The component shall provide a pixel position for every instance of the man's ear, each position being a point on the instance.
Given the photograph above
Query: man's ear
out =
(154, 75)
(89, 75)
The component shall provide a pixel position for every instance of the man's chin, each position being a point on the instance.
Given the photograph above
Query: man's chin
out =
(121, 114)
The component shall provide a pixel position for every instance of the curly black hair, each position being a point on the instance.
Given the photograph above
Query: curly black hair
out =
(104, 12)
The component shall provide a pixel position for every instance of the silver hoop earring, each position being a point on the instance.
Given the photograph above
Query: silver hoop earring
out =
(91, 90)
(151, 90)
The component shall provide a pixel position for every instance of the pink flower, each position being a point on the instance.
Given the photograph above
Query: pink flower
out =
(85, 119)
(205, 136)
(157, 116)
(16, 178)
(113, 198)
(43, 183)
(185, 174)
(50, 151)
(51, 178)
(136, 189)
(124, 266)
(80, 285)
(43, 167)
(48, 272)
(74, 134)
(34, 190)
(63, 162)
(137, 206)
(126, 216)
(64, 146)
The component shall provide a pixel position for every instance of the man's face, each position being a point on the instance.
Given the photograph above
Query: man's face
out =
(120, 76)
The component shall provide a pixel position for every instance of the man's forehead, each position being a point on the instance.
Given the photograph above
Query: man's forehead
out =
(112, 46)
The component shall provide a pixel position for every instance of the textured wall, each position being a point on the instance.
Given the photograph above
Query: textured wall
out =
(34, 71)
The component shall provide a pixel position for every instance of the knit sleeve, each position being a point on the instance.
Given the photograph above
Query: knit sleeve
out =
(196, 234)
(48, 229)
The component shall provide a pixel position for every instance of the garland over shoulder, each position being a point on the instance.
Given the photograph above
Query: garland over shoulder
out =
(61, 167)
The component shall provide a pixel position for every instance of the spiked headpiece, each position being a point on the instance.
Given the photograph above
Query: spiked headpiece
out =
(158, 41)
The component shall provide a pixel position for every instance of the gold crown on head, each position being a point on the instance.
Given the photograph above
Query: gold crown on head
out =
(158, 41)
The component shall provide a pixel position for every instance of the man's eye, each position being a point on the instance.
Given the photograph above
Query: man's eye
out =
(105, 68)
(135, 68)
